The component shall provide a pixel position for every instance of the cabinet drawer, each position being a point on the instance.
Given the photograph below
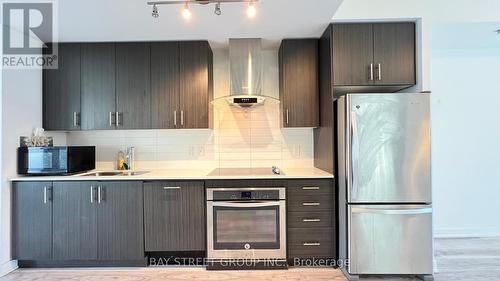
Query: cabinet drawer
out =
(310, 219)
(311, 242)
(310, 203)
(310, 187)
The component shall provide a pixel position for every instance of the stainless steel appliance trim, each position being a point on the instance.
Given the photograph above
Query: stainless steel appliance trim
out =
(246, 254)
(210, 191)
(398, 211)
(171, 187)
(347, 146)
(246, 204)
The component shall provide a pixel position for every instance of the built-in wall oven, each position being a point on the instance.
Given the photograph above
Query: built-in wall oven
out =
(246, 223)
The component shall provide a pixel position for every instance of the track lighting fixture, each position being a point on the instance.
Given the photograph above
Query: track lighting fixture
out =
(251, 11)
(155, 13)
(217, 10)
(186, 13)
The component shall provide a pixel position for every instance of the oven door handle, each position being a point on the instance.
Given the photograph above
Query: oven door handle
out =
(246, 204)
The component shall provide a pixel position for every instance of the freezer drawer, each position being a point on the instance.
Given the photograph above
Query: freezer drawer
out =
(390, 239)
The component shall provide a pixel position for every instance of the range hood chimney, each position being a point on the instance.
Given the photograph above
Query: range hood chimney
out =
(245, 65)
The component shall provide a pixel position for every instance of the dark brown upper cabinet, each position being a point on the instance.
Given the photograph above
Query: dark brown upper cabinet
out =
(61, 90)
(165, 85)
(133, 94)
(298, 81)
(373, 56)
(98, 86)
(196, 84)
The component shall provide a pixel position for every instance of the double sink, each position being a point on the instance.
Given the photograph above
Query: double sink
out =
(114, 173)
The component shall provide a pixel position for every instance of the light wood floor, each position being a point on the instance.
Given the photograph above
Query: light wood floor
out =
(457, 259)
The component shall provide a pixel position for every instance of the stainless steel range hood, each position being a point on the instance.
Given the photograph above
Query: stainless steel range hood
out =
(245, 66)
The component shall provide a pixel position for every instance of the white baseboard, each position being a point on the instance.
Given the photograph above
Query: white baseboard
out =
(466, 232)
(8, 267)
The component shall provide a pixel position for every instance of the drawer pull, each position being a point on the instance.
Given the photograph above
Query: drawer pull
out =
(309, 244)
(310, 188)
(310, 204)
(171, 187)
(311, 220)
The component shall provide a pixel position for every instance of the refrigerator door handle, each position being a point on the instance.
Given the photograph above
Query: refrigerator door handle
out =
(417, 211)
(354, 155)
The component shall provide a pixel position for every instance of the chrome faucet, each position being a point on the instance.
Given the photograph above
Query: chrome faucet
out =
(130, 157)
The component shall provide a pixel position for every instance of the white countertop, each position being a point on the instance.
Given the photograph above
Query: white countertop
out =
(184, 174)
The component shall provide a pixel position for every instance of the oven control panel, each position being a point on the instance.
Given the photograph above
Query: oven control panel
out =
(230, 194)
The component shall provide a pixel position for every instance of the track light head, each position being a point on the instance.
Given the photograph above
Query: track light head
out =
(217, 10)
(155, 13)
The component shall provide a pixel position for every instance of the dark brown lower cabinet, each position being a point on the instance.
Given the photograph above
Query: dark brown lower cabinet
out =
(311, 220)
(74, 221)
(31, 220)
(174, 216)
(120, 221)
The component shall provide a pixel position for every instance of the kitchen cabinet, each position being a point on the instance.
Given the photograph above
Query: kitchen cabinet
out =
(311, 219)
(165, 85)
(174, 216)
(298, 80)
(31, 220)
(98, 86)
(373, 56)
(61, 90)
(120, 221)
(75, 221)
(196, 84)
(133, 95)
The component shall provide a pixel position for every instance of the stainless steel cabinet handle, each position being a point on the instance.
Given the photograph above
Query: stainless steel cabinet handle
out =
(75, 119)
(171, 187)
(371, 71)
(310, 204)
(311, 220)
(118, 122)
(45, 195)
(91, 194)
(415, 211)
(310, 188)
(175, 118)
(379, 71)
(311, 244)
(182, 117)
(111, 119)
(287, 116)
(99, 198)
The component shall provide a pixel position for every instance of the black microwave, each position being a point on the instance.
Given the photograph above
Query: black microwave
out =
(55, 160)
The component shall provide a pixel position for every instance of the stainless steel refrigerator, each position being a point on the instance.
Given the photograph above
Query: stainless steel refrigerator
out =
(384, 175)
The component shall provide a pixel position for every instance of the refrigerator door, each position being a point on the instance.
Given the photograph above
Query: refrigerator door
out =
(390, 239)
(388, 148)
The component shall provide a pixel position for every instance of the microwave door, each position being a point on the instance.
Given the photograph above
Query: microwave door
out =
(389, 148)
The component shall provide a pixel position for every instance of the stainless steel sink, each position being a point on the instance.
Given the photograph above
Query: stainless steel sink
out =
(115, 173)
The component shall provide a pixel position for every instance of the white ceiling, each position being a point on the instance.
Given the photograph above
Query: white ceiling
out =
(131, 20)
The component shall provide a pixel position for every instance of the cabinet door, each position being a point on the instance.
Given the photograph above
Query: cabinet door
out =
(174, 216)
(165, 85)
(75, 221)
(352, 54)
(195, 84)
(61, 90)
(120, 221)
(394, 53)
(299, 82)
(31, 220)
(133, 97)
(98, 86)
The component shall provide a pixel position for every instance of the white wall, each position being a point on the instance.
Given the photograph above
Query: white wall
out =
(460, 57)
